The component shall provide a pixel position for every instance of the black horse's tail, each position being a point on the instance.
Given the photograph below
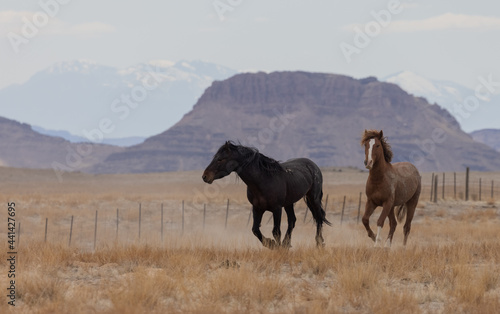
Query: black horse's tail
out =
(315, 194)
(326, 221)
(317, 211)
(323, 213)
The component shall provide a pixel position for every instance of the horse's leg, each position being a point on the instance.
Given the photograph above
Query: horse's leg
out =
(314, 204)
(320, 242)
(277, 225)
(407, 226)
(411, 205)
(287, 240)
(257, 219)
(369, 208)
(387, 207)
(392, 223)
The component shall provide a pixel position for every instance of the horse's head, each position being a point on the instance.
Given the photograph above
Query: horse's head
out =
(376, 148)
(223, 163)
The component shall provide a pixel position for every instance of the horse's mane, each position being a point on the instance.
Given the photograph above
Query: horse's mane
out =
(369, 134)
(252, 155)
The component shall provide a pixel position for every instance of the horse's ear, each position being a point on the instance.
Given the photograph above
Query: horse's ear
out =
(381, 134)
(363, 138)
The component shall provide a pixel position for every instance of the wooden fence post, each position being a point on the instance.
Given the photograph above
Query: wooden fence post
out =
(269, 220)
(342, 215)
(480, 189)
(443, 185)
(326, 203)
(46, 222)
(432, 186)
(435, 188)
(161, 223)
(467, 184)
(359, 207)
(70, 231)
(95, 230)
(249, 215)
(491, 198)
(455, 185)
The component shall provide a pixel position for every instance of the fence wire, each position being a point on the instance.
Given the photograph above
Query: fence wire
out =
(152, 223)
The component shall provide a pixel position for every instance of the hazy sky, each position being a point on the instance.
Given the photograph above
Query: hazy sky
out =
(449, 40)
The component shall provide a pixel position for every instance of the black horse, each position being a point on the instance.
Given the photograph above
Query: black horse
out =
(271, 186)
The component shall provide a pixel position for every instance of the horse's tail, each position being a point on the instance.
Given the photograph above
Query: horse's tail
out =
(326, 221)
(323, 216)
(318, 212)
(401, 213)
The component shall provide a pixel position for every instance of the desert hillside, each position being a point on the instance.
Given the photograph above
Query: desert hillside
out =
(490, 137)
(24, 148)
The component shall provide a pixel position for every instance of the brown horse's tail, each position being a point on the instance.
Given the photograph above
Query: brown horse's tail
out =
(401, 214)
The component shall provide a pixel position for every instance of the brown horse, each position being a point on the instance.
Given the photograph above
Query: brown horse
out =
(388, 185)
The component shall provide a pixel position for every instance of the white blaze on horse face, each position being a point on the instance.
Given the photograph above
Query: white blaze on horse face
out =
(369, 162)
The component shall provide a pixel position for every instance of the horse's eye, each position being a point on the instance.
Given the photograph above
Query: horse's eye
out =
(378, 145)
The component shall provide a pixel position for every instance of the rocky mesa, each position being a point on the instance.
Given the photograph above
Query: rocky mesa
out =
(299, 114)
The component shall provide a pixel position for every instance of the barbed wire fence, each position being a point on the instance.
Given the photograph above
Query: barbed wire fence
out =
(151, 223)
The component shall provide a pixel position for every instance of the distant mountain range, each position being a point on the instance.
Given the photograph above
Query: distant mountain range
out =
(315, 115)
(474, 111)
(138, 101)
(122, 142)
(283, 114)
(71, 99)
(24, 148)
(490, 137)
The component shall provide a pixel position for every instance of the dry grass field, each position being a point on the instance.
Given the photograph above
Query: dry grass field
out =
(450, 265)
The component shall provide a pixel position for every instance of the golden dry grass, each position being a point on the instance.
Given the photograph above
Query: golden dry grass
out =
(451, 263)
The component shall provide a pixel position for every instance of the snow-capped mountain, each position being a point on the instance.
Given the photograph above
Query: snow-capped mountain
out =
(473, 111)
(95, 101)
(122, 142)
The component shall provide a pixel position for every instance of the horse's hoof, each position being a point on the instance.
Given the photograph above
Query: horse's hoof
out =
(270, 244)
(320, 245)
(378, 242)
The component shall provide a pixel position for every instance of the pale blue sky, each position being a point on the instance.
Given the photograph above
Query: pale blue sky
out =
(448, 40)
